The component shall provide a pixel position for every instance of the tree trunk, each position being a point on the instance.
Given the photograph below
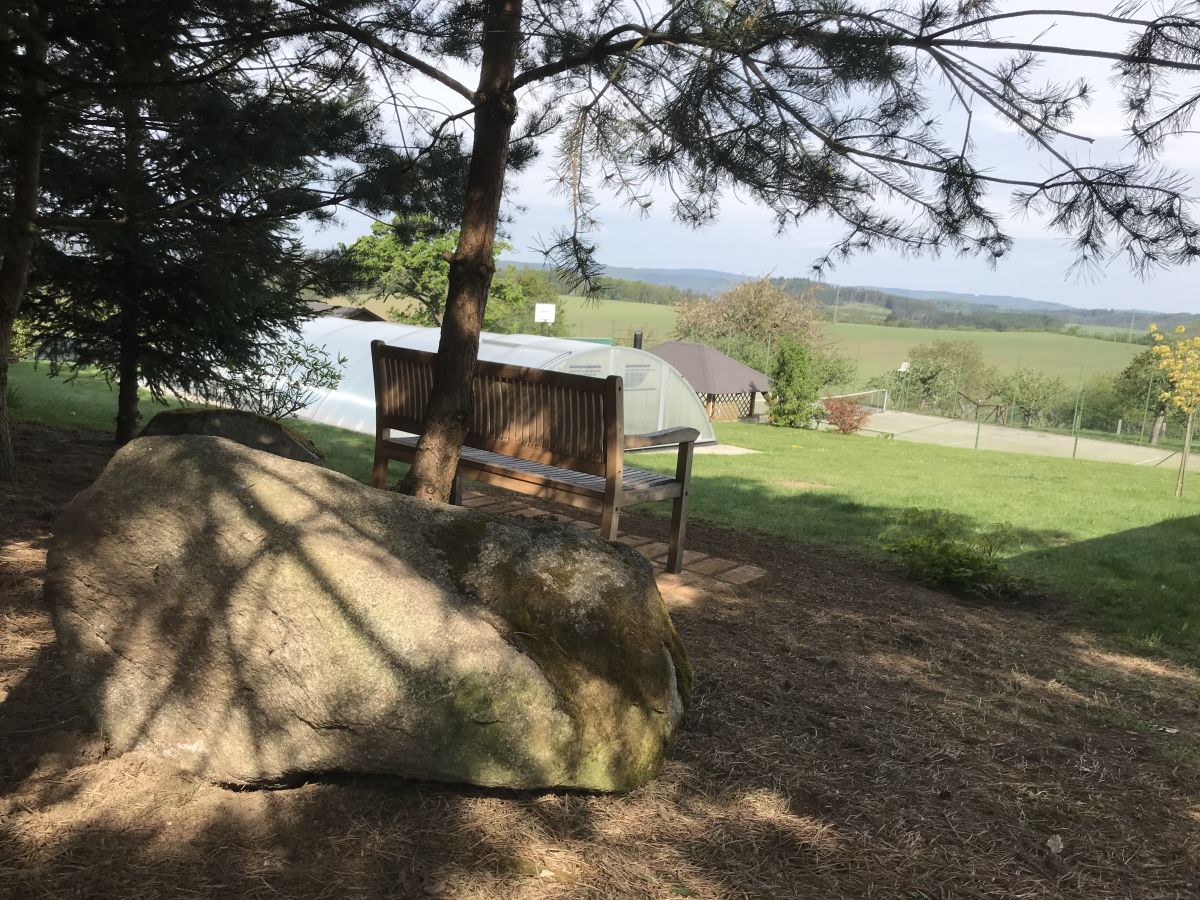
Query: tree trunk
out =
(20, 235)
(472, 266)
(1157, 429)
(1187, 451)
(128, 414)
(129, 351)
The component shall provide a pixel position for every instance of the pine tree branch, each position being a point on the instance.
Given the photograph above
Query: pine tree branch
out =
(375, 42)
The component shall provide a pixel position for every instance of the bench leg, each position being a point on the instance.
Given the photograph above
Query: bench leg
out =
(683, 474)
(678, 532)
(456, 491)
(379, 469)
(609, 521)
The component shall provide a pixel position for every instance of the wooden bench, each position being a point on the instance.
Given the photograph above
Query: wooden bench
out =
(549, 434)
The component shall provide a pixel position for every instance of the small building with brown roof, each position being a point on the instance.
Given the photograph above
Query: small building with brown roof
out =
(728, 388)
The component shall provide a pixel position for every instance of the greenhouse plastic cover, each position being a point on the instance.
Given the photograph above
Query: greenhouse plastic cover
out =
(656, 396)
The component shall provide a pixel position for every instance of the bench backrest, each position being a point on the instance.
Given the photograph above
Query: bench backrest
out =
(557, 418)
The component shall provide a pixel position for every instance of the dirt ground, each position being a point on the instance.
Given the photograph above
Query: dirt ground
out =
(852, 736)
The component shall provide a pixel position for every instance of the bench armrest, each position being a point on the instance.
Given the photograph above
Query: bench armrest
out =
(660, 438)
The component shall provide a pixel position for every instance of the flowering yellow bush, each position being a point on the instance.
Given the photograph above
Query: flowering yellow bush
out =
(1179, 360)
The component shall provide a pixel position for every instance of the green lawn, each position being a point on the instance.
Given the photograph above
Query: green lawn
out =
(879, 349)
(1111, 536)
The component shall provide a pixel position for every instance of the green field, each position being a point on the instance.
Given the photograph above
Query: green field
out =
(879, 349)
(618, 319)
(1109, 536)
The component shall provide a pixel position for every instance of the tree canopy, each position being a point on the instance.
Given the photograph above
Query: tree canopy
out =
(409, 264)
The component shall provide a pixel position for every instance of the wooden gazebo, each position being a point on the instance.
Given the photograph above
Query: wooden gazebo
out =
(727, 387)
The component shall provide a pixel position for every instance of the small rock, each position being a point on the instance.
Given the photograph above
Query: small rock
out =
(246, 428)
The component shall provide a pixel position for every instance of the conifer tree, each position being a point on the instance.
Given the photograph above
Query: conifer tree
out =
(809, 107)
(180, 143)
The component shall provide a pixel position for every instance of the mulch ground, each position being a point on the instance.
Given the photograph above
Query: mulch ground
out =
(852, 736)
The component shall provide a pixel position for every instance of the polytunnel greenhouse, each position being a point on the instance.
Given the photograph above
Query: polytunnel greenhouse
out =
(656, 396)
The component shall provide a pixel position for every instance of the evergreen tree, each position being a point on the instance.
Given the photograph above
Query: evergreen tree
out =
(170, 198)
(172, 303)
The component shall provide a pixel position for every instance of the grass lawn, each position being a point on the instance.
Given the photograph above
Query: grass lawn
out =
(879, 349)
(1110, 535)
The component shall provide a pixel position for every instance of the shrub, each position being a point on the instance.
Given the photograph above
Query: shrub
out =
(795, 387)
(846, 415)
(941, 549)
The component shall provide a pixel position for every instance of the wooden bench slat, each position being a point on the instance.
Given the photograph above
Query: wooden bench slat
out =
(549, 434)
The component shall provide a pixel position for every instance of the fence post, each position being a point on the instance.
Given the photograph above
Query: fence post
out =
(978, 427)
(1146, 414)
(1078, 423)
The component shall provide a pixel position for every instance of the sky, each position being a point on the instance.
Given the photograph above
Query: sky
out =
(744, 239)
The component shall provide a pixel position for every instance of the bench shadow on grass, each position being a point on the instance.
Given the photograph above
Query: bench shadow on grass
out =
(850, 735)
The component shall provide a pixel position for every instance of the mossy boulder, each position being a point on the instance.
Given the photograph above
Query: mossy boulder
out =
(256, 619)
(247, 428)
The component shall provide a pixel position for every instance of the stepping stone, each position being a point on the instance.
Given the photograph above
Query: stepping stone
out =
(478, 500)
(653, 551)
(632, 540)
(530, 512)
(714, 565)
(686, 594)
(742, 575)
(668, 581)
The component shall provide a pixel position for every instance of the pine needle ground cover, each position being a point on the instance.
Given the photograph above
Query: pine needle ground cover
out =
(852, 735)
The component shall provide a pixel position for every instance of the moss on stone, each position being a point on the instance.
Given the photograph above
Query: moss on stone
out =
(597, 636)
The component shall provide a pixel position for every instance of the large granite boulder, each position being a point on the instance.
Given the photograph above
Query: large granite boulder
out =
(246, 428)
(257, 619)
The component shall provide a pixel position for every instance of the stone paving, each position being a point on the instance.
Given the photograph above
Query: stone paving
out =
(702, 574)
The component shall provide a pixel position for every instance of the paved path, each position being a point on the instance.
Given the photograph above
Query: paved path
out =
(961, 433)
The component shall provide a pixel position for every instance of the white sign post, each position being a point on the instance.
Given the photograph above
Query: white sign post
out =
(544, 312)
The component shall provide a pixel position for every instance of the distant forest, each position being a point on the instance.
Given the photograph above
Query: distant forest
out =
(869, 306)
(857, 305)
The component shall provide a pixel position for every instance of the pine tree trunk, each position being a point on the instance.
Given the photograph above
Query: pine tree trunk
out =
(473, 265)
(129, 352)
(1187, 452)
(8, 463)
(20, 235)
(128, 414)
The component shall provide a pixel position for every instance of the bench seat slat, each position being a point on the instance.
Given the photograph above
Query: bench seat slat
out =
(636, 481)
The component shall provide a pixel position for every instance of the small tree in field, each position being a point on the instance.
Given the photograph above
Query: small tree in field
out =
(1180, 362)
